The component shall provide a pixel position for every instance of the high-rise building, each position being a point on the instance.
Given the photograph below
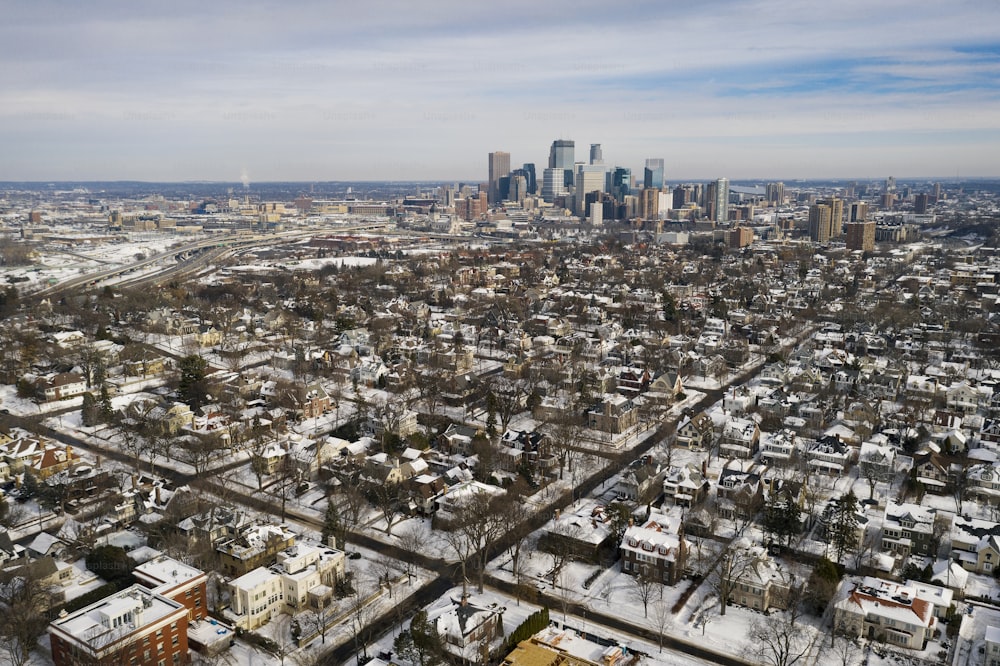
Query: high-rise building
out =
(499, 167)
(721, 201)
(652, 175)
(937, 192)
(553, 184)
(649, 203)
(562, 156)
(683, 195)
(920, 203)
(517, 187)
(820, 216)
(859, 211)
(776, 193)
(861, 236)
(836, 205)
(596, 156)
(589, 178)
(890, 184)
(529, 175)
(620, 183)
(740, 237)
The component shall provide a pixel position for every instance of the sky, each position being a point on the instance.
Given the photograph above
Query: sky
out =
(402, 90)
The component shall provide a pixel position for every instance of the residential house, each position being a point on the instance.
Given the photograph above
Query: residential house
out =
(778, 448)
(657, 549)
(255, 547)
(765, 584)
(932, 471)
(696, 432)
(740, 439)
(641, 481)
(975, 544)
(909, 529)
(991, 646)
(739, 491)
(61, 386)
(614, 414)
(829, 455)
(467, 628)
(255, 597)
(879, 610)
(583, 531)
(685, 486)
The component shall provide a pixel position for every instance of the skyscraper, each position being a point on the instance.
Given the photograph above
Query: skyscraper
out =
(553, 184)
(589, 178)
(820, 222)
(836, 205)
(861, 236)
(561, 156)
(596, 156)
(652, 175)
(776, 192)
(621, 183)
(529, 174)
(499, 167)
(721, 200)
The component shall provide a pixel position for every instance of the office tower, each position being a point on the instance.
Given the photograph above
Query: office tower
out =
(836, 205)
(861, 236)
(553, 184)
(920, 203)
(937, 192)
(859, 211)
(621, 183)
(596, 156)
(561, 156)
(721, 200)
(589, 178)
(652, 175)
(529, 175)
(776, 193)
(820, 216)
(517, 187)
(499, 167)
(890, 184)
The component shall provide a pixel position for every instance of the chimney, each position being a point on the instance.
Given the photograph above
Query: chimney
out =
(558, 513)
(135, 481)
(159, 498)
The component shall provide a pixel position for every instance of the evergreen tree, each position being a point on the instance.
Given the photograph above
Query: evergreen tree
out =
(107, 412)
(844, 529)
(333, 526)
(89, 411)
(192, 389)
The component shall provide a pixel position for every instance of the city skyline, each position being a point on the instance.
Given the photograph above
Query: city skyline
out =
(254, 92)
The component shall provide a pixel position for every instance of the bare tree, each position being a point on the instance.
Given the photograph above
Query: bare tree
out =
(643, 587)
(23, 622)
(318, 620)
(777, 640)
(411, 540)
(845, 649)
(476, 523)
(735, 560)
(387, 498)
(663, 617)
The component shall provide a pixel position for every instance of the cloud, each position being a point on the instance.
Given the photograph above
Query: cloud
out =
(314, 90)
